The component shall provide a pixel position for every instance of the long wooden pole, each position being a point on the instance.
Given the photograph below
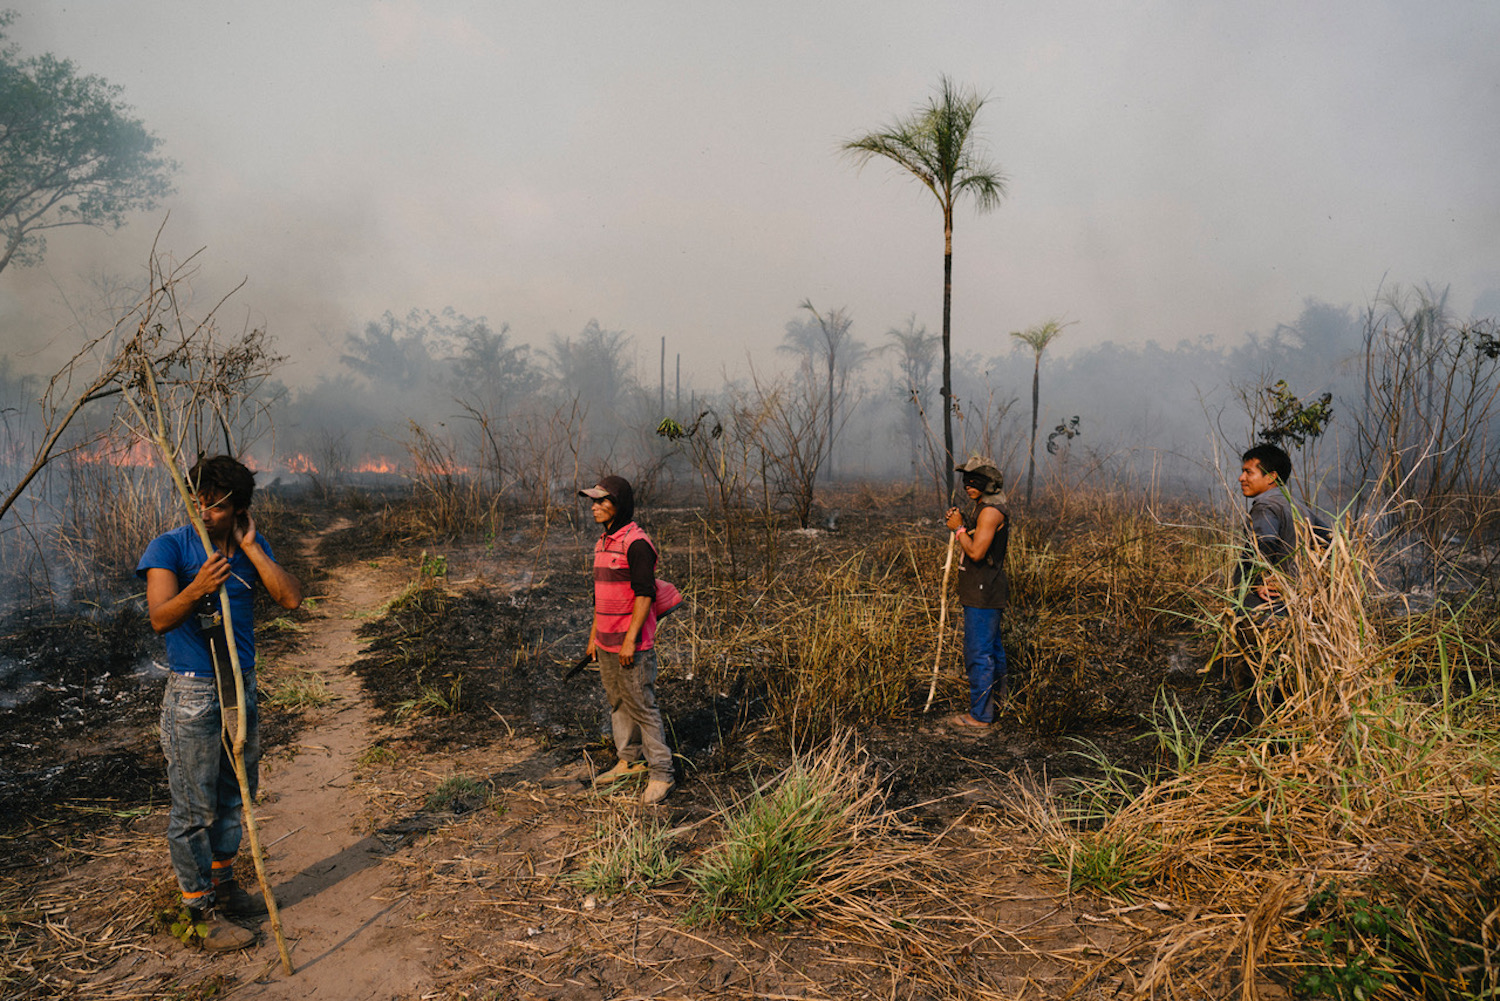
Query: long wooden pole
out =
(942, 621)
(235, 740)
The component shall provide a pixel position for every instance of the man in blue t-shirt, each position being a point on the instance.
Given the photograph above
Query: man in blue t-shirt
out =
(182, 593)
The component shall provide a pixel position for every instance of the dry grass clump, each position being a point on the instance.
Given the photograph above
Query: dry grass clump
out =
(781, 843)
(446, 500)
(112, 514)
(842, 648)
(1349, 843)
(1089, 596)
(827, 644)
(628, 854)
(818, 844)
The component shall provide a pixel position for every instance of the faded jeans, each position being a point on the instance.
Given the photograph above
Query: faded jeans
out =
(634, 715)
(204, 824)
(984, 657)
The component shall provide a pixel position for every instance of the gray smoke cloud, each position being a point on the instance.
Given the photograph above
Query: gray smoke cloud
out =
(1177, 170)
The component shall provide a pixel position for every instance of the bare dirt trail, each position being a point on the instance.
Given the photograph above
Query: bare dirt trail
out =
(343, 931)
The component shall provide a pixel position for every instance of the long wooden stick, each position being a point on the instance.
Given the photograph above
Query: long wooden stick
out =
(236, 740)
(942, 622)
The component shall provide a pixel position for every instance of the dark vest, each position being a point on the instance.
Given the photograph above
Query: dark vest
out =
(982, 583)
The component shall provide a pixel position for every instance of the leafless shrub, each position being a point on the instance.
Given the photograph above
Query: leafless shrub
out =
(207, 388)
(1424, 450)
(447, 498)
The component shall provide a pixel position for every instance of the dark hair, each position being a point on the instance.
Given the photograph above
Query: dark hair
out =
(223, 474)
(1272, 460)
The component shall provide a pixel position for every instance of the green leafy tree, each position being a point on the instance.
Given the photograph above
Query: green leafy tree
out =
(938, 146)
(71, 154)
(593, 366)
(1037, 338)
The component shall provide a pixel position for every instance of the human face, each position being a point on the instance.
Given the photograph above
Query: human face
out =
(973, 492)
(1253, 480)
(218, 514)
(604, 510)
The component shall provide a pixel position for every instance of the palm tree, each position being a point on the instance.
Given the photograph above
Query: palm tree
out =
(936, 144)
(841, 354)
(1037, 338)
(916, 353)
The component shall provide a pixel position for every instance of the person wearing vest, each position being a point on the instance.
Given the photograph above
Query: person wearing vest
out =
(983, 588)
(622, 638)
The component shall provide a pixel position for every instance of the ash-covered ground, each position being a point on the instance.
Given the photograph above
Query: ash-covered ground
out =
(482, 648)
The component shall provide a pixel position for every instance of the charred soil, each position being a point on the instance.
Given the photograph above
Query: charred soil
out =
(443, 788)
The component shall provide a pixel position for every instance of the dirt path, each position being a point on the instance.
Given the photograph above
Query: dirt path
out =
(345, 935)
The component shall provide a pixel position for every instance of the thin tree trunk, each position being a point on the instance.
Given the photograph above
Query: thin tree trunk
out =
(1036, 396)
(828, 477)
(948, 346)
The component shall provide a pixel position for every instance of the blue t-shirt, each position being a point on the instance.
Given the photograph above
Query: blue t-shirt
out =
(181, 551)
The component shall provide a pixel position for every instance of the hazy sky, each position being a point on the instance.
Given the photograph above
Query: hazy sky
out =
(1176, 169)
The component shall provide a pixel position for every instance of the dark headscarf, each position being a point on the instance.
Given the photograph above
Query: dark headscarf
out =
(617, 489)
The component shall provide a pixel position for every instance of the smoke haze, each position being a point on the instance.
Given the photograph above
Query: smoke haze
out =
(1177, 171)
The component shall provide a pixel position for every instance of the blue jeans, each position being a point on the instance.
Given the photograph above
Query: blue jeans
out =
(984, 656)
(204, 825)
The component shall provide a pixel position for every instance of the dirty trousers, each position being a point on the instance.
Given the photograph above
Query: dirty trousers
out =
(634, 716)
(204, 824)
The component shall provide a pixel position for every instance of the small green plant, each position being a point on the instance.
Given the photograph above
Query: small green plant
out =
(774, 847)
(179, 923)
(1108, 865)
(1095, 799)
(627, 856)
(375, 754)
(1181, 740)
(1292, 421)
(434, 701)
(302, 690)
(1350, 950)
(432, 565)
(458, 794)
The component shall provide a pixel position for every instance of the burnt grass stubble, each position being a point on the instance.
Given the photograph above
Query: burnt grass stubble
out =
(82, 754)
(721, 735)
(82, 750)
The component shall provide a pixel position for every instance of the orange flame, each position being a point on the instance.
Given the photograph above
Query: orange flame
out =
(441, 469)
(379, 464)
(300, 463)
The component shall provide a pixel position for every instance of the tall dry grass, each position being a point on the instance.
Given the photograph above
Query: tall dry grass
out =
(447, 498)
(845, 632)
(1096, 585)
(834, 638)
(1349, 843)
